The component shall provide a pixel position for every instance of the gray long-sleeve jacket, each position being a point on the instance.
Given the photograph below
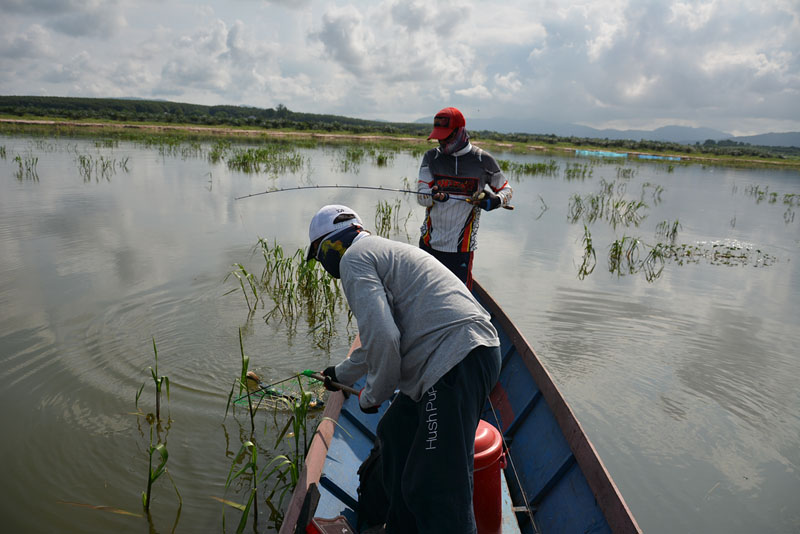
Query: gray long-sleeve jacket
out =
(416, 319)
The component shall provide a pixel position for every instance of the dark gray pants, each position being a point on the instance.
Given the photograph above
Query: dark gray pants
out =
(428, 449)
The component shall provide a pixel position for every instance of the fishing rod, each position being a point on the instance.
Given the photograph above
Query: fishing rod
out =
(369, 187)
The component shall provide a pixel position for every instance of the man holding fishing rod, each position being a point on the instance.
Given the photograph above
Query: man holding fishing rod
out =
(423, 334)
(457, 170)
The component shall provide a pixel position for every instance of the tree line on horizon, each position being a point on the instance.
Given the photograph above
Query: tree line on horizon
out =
(162, 111)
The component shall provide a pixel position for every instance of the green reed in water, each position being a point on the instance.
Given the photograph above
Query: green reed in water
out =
(387, 217)
(154, 474)
(300, 288)
(243, 275)
(100, 167)
(578, 171)
(283, 471)
(515, 168)
(668, 231)
(159, 381)
(609, 205)
(589, 255)
(26, 168)
(269, 159)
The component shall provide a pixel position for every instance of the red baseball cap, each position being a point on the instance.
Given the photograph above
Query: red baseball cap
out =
(445, 122)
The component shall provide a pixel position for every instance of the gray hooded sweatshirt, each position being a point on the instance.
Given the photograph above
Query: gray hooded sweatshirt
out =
(416, 319)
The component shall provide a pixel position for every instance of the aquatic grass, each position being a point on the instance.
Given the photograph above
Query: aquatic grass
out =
(623, 255)
(249, 450)
(589, 255)
(2, 152)
(350, 159)
(514, 168)
(578, 171)
(655, 194)
(608, 205)
(271, 159)
(154, 474)
(244, 390)
(668, 231)
(764, 195)
(387, 217)
(159, 382)
(106, 143)
(218, 151)
(300, 288)
(630, 255)
(26, 168)
(543, 209)
(383, 159)
(283, 470)
(242, 275)
(111, 509)
(625, 173)
(101, 167)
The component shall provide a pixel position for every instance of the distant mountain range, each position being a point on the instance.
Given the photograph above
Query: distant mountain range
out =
(674, 134)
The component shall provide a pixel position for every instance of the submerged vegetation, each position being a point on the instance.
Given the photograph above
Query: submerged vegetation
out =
(100, 167)
(292, 293)
(26, 168)
(609, 205)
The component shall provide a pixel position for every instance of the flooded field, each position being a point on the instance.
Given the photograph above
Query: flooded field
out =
(662, 297)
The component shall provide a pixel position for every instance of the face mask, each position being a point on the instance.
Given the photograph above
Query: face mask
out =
(459, 141)
(332, 248)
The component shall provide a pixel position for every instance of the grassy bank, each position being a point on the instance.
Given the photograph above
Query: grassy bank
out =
(34, 125)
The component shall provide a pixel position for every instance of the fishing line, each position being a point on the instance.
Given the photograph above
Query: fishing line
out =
(366, 187)
(514, 469)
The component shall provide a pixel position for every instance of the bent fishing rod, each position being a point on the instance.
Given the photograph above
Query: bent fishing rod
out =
(369, 187)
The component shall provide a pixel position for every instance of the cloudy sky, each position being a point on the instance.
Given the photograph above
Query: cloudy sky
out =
(733, 65)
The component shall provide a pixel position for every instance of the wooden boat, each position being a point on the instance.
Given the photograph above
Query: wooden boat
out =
(554, 483)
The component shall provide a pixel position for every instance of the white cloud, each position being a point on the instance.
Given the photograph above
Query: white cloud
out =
(705, 63)
(509, 82)
(76, 18)
(479, 91)
(33, 43)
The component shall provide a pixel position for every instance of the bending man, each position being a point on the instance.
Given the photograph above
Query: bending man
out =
(424, 334)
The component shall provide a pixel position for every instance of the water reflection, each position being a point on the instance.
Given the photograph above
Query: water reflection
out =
(682, 382)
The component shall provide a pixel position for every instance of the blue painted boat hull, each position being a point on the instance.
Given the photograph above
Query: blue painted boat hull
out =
(556, 481)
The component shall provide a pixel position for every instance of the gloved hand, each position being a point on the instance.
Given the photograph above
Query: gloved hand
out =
(370, 410)
(487, 200)
(439, 196)
(330, 376)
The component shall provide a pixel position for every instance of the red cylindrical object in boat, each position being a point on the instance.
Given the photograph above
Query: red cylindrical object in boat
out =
(487, 496)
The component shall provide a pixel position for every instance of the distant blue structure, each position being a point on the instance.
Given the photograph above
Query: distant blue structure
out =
(601, 154)
(653, 156)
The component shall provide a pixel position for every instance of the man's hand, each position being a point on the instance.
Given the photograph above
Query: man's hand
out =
(487, 200)
(439, 196)
(330, 376)
(370, 410)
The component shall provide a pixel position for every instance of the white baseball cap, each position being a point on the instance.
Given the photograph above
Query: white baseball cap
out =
(329, 219)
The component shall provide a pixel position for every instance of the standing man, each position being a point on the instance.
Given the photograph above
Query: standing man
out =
(424, 334)
(458, 181)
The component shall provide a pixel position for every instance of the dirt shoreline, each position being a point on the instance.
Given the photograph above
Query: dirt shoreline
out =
(226, 131)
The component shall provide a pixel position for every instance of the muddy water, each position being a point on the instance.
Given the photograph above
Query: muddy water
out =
(686, 383)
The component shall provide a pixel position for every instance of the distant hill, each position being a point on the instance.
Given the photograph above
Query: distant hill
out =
(672, 134)
(771, 139)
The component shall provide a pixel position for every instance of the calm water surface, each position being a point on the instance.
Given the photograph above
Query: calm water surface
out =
(686, 384)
